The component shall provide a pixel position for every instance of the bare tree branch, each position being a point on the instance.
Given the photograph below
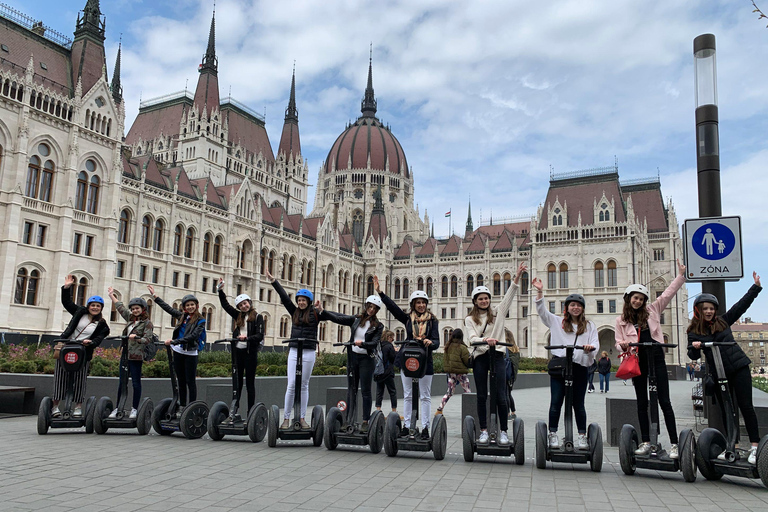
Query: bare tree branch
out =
(757, 10)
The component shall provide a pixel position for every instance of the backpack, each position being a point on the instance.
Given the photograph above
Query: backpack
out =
(150, 349)
(203, 338)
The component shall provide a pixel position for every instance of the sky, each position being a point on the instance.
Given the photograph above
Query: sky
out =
(486, 97)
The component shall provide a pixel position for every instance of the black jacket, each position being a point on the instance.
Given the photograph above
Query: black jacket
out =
(77, 312)
(254, 329)
(372, 335)
(733, 357)
(192, 334)
(301, 330)
(604, 366)
(388, 356)
(433, 331)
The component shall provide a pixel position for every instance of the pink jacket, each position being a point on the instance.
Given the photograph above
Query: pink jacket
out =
(626, 332)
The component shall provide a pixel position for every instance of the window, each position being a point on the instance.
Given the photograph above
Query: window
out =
(599, 306)
(525, 311)
(507, 281)
(599, 275)
(188, 243)
(453, 312)
(89, 245)
(524, 283)
(120, 270)
(157, 236)
(470, 285)
(406, 289)
(142, 273)
(87, 189)
(208, 315)
(444, 287)
(177, 240)
(29, 228)
(429, 287)
(205, 284)
(444, 311)
(612, 306)
(217, 251)
(26, 287)
(658, 255)
(123, 227)
(206, 247)
(262, 261)
(612, 274)
(454, 286)
(661, 319)
(480, 280)
(80, 292)
(564, 276)
(496, 284)
(551, 277)
(155, 275)
(81, 191)
(291, 264)
(93, 195)
(186, 280)
(175, 280)
(146, 226)
(39, 183)
(78, 239)
(552, 307)
(420, 284)
(369, 286)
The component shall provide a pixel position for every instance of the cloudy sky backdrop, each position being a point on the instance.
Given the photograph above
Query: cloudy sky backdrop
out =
(484, 95)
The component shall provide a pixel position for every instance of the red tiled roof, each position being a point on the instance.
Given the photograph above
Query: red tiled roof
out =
(367, 138)
(579, 196)
(249, 134)
(277, 214)
(404, 251)
(452, 246)
(377, 228)
(152, 123)
(207, 93)
(310, 226)
(185, 186)
(293, 222)
(750, 327)
(88, 62)
(504, 243)
(215, 195)
(290, 143)
(495, 230)
(347, 243)
(478, 243)
(266, 214)
(648, 205)
(154, 176)
(428, 249)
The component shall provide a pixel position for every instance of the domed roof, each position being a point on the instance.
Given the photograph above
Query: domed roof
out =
(367, 139)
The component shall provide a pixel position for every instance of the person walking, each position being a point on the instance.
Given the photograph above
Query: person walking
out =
(591, 372)
(455, 366)
(387, 379)
(513, 365)
(604, 370)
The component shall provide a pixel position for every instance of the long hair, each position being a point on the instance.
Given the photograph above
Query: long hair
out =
(143, 316)
(703, 328)
(580, 321)
(302, 317)
(194, 317)
(635, 316)
(364, 317)
(97, 318)
(245, 316)
(457, 336)
(510, 338)
(386, 333)
(476, 312)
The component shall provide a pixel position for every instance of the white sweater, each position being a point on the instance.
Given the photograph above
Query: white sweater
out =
(494, 329)
(559, 337)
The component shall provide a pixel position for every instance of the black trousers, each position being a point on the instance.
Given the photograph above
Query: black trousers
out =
(389, 383)
(740, 383)
(246, 364)
(360, 375)
(654, 356)
(186, 370)
(481, 367)
(557, 397)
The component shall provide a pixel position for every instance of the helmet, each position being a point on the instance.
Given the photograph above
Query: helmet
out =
(706, 297)
(418, 294)
(96, 299)
(305, 293)
(478, 290)
(188, 298)
(137, 301)
(575, 297)
(636, 288)
(240, 298)
(375, 300)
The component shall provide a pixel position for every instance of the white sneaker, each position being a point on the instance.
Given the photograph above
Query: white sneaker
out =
(483, 437)
(643, 449)
(673, 452)
(113, 414)
(503, 439)
(581, 442)
(56, 412)
(554, 442)
(78, 413)
(134, 414)
(752, 459)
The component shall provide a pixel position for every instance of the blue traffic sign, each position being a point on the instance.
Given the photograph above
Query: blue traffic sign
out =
(713, 241)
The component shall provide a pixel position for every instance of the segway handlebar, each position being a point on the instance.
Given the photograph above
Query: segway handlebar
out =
(305, 340)
(555, 347)
(651, 344)
(412, 342)
(174, 342)
(716, 344)
(67, 341)
(121, 338)
(343, 344)
(228, 340)
(481, 343)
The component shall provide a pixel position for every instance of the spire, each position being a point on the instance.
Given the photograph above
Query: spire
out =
(290, 143)
(469, 229)
(210, 62)
(117, 89)
(368, 105)
(207, 91)
(90, 22)
(378, 205)
(377, 228)
(291, 114)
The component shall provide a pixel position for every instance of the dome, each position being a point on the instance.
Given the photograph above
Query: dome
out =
(367, 139)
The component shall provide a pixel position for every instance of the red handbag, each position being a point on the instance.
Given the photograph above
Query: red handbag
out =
(629, 366)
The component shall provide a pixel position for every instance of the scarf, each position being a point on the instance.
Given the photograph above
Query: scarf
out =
(419, 324)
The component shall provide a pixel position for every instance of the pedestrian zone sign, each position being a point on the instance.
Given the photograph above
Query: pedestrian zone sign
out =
(712, 249)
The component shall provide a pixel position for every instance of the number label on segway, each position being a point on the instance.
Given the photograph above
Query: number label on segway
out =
(412, 364)
(342, 405)
(71, 358)
(568, 383)
(652, 388)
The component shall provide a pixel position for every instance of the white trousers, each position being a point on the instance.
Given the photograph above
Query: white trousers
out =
(425, 399)
(308, 362)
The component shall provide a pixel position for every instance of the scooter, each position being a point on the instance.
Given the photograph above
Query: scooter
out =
(72, 358)
(294, 432)
(567, 452)
(712, 442)
(104, 406)
(341, 427)
(169, 416)
(415, 367)
(223, 420)
(516, 447)
(658, 458)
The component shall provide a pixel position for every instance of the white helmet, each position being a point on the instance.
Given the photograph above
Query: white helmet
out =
(418, 294)
(375, 300)
(636, 288)
(480, 289)
(240, 298)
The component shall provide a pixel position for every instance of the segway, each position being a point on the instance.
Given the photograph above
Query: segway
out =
(516, 446)
(415, 367)
(658, 458)
(169, 416)
(341, 427)
(567, 452)
(104, 406)
(294, 432)
(223, 420)
(712, 442)
(72, 358)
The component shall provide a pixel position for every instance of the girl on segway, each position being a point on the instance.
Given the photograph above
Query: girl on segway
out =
(455, 366)
(190, 330)
(251, 339)
(90, 327)
(422, 325)
(487, 324)
(387, 379)
(641, 322)
(366, 335)
(139, 332)
(572, 328)
(707, 326)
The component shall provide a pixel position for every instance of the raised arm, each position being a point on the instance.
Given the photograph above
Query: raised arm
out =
(400, 315)
(741, 307)
(664, 299)
(284, 298)
(547, 317)
(66, 295)
(337, 318)
(225, 305)
(506, 301)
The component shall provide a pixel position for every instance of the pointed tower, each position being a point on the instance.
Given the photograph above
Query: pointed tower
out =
(207, 91)
(469, 228)
(290, 144)
(117, 89)
(368, 105)
(88, 56)
(377, 228)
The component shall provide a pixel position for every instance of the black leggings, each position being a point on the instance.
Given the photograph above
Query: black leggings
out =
(186, 370)
(246, 363)
(389, 382)
(360, 374)
(481, 367)
(662, 388)
(740, 383)
(557, 396)
(134, 370)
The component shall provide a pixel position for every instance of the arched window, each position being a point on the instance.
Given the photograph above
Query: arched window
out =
(599, 275)
(284, 323)
(551, 276)
(146, 229)
(207, 247)
(480, 280)
(607, 215)
(613, 279)
(123, 230)
(93, 195)
(447, 332)
(357, 226)
(271, 263)
(397, 288)
(444, 287)
(470, 284)
(262, 261)
(454, 286)
(217, 250)
(285, 266)
(81, 191)
(406, 288)
(189, 242)
(507, 281)
(26, 287)
(346, 279)
(157, 237)
(177, 240)
(524, 283)
(601, 217)
(81, 291)
(496, 284)
(309, 274)
(564, 276)
(420, 284)
(291, 263)
(429, 287)
(39, 183)
(369, 286)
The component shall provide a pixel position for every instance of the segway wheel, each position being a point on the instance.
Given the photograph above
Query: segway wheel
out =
(318, 425)
(439, 437)
(711, 443)
(218, 414)
(44, 416)
(595, 438)
(194, 420)
(257, 422)
(376, 432)
(762, 460)
(103, 410)
(274, 425)
(541, 445)
(333, 425)
(391, 431)
(158, 414)
(468, 438)
(89, 409)
(144, 417)
(627, 445)
(518, 429)
(688, 456)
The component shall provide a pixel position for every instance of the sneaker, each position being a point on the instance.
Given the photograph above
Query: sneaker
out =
(503, 439)
(673, 452)
(134, 414)
(425, 433)
(364, 428)
(285, 424)
(752, 459)
(483, 437)
(581, 442)
(643, 449)
(591, 391)
(113, 414)
(554, 442)
(405, 432)
(78, 413)
(55, 412)
(304, 424)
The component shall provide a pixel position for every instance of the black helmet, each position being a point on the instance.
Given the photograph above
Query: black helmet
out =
(138, 301)
(576, 297)
(706, 297)
(188, 298)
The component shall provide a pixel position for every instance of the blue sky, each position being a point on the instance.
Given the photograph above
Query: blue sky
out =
(484, 96)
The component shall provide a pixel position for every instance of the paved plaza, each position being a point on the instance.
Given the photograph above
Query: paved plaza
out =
(65, 471)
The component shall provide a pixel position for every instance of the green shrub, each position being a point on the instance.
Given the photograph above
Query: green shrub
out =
(5, 366)
(219, 356)
(272, 358)
(23, 366)
(760, 383)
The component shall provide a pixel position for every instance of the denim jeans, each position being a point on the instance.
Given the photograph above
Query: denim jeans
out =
(557, 397)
